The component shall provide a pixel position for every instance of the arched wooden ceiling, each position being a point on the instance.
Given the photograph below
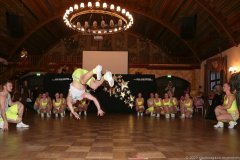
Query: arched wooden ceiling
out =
(218, 25)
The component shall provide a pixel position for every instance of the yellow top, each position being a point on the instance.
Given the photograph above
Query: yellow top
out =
(167, 103)
(157, 103)
(44, 103)
(233, 107)
(63, 100)
(77, 74)
(173, 102)
(57, 104)
(83, 101)
(139, 101)
(187, 105)
(37, 101)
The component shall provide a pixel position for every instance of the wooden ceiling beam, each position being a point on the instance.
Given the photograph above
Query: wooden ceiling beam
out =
(143, 12)
(218, 19)
(33, 30)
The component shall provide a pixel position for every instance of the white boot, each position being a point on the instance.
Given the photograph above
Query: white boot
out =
(182, 116)
(142, 114)
(172, 115)
(85, 113)
(167, 116)
(62, 115)
(42, 115)
(218, 125)
(56, 115)
(48, 115)
(158, 115)
(138, 114)
(98, 71)
(22, 125)
(232, 124)
(108, 77)
(152, 114)
(79, 113)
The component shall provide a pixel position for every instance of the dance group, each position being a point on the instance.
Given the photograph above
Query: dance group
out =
(167, 106)
(77, 101)
(227, 112)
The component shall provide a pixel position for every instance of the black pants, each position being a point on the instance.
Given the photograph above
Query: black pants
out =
(211, 113)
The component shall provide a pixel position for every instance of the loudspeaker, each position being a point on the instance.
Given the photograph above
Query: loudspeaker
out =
(188, 27)
(15, 25)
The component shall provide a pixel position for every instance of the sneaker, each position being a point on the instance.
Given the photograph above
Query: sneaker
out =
(85, 113)
(158, 115)
(98, 71)
(232, 124)
(22, 125)
(218, 125)
(108, 77)
(56, 115)
(167, 116)
(138, 114)
(153, 115)
(62, 115)
(182, 116)
(48, 115)
(141, 114)
(172, 115)
(42, 115)
(1, 125)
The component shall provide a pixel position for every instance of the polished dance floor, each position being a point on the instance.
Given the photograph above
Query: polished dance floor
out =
(119, 136)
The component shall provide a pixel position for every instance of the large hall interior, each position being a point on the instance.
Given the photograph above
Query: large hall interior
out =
(119, 79)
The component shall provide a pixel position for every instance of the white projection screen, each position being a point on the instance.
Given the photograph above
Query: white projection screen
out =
(114, 61)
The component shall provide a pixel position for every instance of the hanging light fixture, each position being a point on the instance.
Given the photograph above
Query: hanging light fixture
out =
(96, 18)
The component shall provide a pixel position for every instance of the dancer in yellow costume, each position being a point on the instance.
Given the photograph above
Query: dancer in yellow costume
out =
(45, 105)
(157, 105)
(166, 105)
(150, 105)
(228, 112)
(81, 78)
(13, 113)
(83, 106)
(139, 103)
(57, 104)
(187, 107)
(64, 103)
(174, 104)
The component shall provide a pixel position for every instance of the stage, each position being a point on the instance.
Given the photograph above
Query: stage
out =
(118, 136)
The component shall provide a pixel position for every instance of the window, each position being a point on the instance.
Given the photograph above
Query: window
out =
(215, 78)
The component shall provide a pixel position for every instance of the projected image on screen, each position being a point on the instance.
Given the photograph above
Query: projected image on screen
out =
(114, 61)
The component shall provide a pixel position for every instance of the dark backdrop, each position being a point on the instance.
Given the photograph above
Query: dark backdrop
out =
(136, 83)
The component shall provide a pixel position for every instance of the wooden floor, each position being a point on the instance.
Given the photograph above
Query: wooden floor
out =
(118, 136)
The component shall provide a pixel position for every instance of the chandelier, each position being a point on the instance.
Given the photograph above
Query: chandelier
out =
(97, 18)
